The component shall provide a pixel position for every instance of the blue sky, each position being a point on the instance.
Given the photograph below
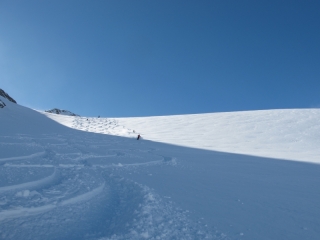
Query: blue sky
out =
(141, 58)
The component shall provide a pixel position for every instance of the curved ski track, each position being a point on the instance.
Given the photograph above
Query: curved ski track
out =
(71, 190)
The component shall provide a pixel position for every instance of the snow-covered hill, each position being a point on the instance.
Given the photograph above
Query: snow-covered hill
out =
(61, 183)
(284, 134)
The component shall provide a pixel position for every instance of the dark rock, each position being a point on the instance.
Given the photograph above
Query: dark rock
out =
(2, 104)
(6, 95)
(62, 112)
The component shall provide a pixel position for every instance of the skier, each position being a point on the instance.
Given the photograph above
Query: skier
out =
(138, 137)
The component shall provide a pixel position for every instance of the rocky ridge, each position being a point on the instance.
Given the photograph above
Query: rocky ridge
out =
(6, 95)
(62, 112)
(2, 104)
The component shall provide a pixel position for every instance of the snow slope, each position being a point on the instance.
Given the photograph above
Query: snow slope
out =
(108, 126)
(284, 134)
(61, 183)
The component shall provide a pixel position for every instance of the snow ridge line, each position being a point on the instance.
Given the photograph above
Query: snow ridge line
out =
(26, 212)
(39, 154)
(33, 184)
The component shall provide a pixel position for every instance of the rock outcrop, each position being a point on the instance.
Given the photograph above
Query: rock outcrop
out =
(6, 95)
(2, 104)
(62, 112)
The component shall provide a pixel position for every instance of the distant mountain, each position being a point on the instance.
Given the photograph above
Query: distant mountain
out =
(6, 95)
(61, 112)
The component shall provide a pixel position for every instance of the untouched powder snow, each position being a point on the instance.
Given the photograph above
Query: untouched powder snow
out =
(283, 134)
(60, 183)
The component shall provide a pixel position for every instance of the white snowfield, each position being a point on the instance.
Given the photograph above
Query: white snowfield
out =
(283, 134)
(189, 182)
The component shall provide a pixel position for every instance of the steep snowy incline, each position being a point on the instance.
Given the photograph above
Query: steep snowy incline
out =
(60, 183)
(283, 134)
(17, 119)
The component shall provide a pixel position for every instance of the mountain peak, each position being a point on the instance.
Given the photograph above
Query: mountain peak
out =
(62, 112)
(6, 95)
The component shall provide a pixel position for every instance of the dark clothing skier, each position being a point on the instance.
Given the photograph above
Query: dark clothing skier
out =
(138, 137)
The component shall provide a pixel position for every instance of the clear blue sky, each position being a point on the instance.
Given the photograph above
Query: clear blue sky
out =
(160, 57)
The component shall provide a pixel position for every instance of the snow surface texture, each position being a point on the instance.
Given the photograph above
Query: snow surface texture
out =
(283, 134)
(61, 183)
(108, 126)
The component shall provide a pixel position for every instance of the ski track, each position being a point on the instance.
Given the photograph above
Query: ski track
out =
(39, 154)
(25, 212)
(84, 187)
(31, 185)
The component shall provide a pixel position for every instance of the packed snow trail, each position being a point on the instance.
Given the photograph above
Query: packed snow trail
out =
(60, 183)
